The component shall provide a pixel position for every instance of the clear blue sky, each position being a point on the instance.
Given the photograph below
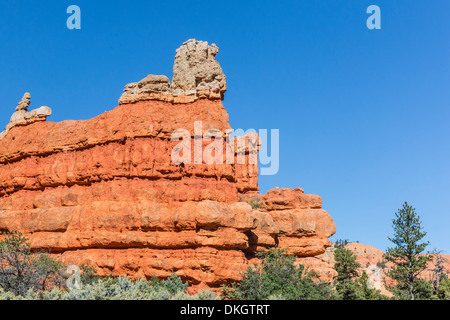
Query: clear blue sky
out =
(363, 114)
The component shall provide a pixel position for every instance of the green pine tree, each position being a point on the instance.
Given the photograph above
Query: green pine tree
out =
(368, 292)
(347, 285)
(279, 277)
(406, 256)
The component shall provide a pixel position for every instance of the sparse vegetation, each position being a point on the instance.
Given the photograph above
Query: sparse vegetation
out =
(22, 271)
(278, 278)
(381, 264)
(254, 202)
(341, 243)
(121, 288)
(25, 275)
(443, 291)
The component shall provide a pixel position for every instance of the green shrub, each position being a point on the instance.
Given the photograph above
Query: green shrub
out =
(255, 203)
(88, 274)
(443, 292)
(278, 278)
(121, 288)
(22, 270)
(174, 284)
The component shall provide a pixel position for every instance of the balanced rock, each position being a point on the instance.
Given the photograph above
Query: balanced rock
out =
(196, 71)
(23, 117)
(24, 103)
(196, 75)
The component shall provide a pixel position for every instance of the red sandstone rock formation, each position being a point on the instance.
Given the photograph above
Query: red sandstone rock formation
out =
(105, 191)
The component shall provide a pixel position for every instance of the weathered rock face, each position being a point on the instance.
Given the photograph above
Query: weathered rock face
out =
(106, 191)
(196, 71)
(196, 75)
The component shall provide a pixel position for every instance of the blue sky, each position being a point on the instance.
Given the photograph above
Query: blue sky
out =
(363, 114)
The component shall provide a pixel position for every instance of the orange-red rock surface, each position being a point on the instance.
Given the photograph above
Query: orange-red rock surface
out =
(105, 191)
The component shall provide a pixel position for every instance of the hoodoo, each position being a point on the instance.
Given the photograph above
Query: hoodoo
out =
(105, 191)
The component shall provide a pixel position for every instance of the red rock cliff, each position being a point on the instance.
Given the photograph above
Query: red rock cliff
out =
(105, 191)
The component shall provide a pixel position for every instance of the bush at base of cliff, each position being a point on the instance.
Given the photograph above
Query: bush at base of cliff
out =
(22, 270)
(117, 289)
(25, 275)
(278, 278)
(423, 290)
(443, 292)
(173, 284)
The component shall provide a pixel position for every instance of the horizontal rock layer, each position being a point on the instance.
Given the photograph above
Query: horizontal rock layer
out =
(106, 191)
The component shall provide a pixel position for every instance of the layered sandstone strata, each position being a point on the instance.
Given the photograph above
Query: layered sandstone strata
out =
(106, 191)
